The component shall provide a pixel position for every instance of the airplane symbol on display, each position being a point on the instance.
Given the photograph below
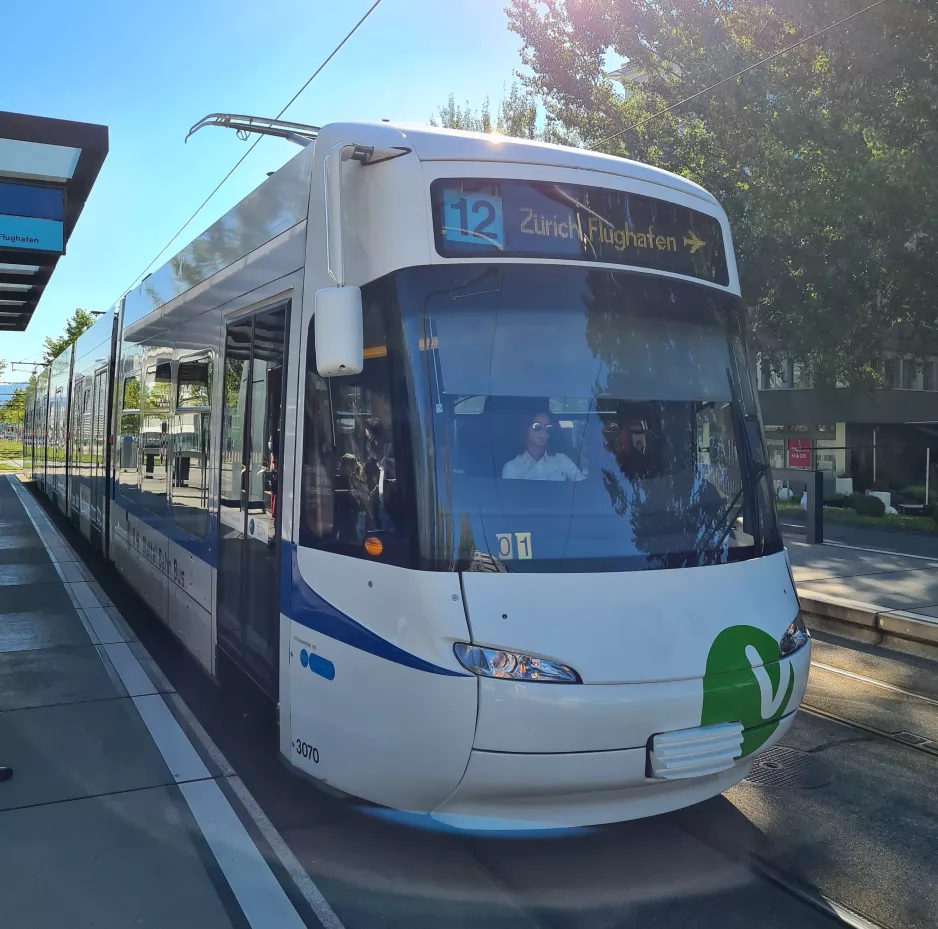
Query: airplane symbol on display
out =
(692, 240)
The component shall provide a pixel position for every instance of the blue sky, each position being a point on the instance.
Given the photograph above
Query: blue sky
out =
(149, 71)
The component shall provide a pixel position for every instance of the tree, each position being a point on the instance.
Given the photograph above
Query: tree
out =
(80, 321)
(518, 116)
(12, 412)
(823, 158)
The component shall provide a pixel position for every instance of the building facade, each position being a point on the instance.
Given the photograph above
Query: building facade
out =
(888, 433)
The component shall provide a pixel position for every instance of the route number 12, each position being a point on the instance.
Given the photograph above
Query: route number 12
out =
(475, 219)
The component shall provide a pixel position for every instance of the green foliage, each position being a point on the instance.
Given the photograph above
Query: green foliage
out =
(869, 506)
(13, 411)
(835, 499)
(80, 321)
(916, 492)
(852, 499)
(823, 158)
(518, 116)
(890, 521)
(132, 394)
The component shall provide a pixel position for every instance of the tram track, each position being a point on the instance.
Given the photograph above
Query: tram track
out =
(794, 886)
(840, 913)
(925, 746)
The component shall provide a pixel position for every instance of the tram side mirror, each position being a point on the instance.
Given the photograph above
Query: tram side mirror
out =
(337, 330)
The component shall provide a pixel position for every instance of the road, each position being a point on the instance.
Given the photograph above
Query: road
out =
(923, 544)
(852, 818)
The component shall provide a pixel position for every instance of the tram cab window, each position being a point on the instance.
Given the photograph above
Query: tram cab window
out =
(154, 436)
(127, 473)
(191, 423)
(351, 491)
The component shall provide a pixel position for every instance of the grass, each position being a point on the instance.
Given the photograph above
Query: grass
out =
(11, 450)
(846, 517)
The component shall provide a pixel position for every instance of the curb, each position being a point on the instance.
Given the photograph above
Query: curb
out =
(903, 625)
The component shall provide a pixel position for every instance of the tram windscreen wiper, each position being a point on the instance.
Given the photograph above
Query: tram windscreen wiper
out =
(728, 517)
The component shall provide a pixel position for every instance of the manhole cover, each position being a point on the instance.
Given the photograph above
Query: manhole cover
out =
(787, 767)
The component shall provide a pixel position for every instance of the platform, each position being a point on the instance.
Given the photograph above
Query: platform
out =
(116, 815)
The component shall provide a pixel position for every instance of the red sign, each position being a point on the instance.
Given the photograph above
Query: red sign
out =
(799, 453)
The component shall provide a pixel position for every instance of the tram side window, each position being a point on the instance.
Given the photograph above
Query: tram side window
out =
(127, 471)
(74, 453)
(191, 447)
(154, 436)
(86, 426)
(100, 418)
(351, 495)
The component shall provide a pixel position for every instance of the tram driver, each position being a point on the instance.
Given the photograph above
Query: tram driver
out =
(536, 463)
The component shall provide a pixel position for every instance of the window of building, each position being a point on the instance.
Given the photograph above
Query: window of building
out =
(891, 373)
(827, 456)
(801, 376)
(128, 439)
(191, 425)
(909, 371)
(776, 453)
(350, 488)
(930, 375)
(773, 377)
(154, 435)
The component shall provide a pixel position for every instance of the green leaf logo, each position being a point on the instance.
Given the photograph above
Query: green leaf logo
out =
(745, 682)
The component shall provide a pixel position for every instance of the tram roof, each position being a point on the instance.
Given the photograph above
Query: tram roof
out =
(282, 201)
(434, 143)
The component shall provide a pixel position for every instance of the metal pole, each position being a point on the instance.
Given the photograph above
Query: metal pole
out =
(927, 471)
(814, 526)
(874, 453)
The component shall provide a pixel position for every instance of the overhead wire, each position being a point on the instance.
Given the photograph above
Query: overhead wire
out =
(253, 145)
(739, 73)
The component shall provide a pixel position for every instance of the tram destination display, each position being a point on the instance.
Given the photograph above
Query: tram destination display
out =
(499, 218)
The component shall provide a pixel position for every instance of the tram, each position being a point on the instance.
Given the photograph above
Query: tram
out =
(450, 443)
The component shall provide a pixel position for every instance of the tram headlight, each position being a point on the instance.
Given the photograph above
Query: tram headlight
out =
(498, 662)
(795, 636)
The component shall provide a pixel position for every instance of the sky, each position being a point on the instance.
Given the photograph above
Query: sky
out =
(150, 71)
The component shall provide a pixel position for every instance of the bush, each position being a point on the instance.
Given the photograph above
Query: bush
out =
(839, 500)
(869, 506)
(852, 499)
(916, 492)
(881, 486)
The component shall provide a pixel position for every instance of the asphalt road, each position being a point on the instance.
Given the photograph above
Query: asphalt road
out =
(923, 544)
(861, 828)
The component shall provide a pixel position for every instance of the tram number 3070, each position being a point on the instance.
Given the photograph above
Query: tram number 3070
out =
(307, 751)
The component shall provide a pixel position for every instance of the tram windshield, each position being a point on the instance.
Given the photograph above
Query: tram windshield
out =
(583, 420)
(526, 417)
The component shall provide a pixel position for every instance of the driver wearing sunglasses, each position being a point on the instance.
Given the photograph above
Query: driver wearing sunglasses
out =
(536, 463)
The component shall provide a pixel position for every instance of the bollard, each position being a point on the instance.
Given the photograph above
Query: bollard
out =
(814, 529)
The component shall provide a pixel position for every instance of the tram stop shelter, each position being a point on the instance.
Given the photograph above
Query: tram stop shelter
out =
(47, 170)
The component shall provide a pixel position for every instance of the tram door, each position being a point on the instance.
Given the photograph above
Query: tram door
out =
(248, 615)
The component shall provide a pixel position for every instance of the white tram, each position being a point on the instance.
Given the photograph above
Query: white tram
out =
(450, 443)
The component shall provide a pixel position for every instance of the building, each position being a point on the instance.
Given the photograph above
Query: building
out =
(866, 434)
